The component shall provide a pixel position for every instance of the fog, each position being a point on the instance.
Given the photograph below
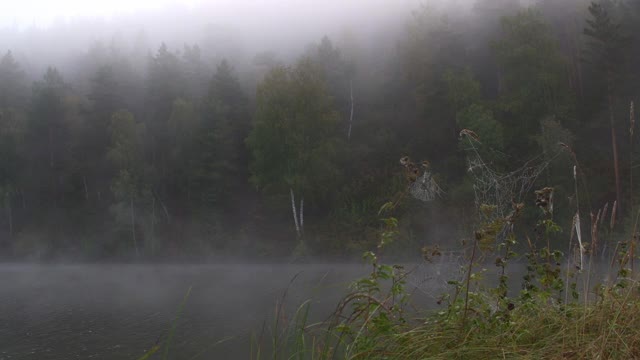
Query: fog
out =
(141, 129)
(57, 36)
(252, 149)
(119, 312)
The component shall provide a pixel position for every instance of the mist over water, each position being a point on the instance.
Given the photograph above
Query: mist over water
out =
(119, 311)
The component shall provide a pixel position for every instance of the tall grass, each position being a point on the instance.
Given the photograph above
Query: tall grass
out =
(174, 324)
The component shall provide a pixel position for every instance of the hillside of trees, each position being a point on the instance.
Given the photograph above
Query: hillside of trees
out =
(174, 151)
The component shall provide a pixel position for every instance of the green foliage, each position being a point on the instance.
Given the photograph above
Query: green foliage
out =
(125, 154)
(534, 77)
(125, 150)
(12, 132)
(220, 159)
(377, 310)
(294, 142)
(13, 85)
(48, 139)
(463, 95)
(462, 89)
(129, 187)
(606, 40)
(481, 121)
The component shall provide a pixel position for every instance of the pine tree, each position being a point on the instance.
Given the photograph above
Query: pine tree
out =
(13, 89)
(534, 80)
(221, 161)
(606, 53)
(48, 137)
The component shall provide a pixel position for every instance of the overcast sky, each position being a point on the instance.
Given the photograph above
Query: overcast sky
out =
(23, 13)
(265, 24)
(43, 12)
(229, 28)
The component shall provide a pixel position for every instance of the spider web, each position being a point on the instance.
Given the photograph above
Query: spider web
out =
(496, 189)
(425, 187)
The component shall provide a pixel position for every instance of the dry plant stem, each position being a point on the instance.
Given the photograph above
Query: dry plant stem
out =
(576, 218)
(588, 281)
(503, 271)
(631, 126)
(632, 248)
(632, 122)
(360, 295)
(614, 255)
(337, 314)
(280, 314)
(354, 296)
(577, 223)
(614, 143)
(366, 354)
(592, 254)
(397, 198)
(566, 288)
(633, 238)
(583, 177)
(466, 297)
(615, 320)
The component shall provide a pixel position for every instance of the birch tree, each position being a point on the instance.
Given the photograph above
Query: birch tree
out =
(295, 139)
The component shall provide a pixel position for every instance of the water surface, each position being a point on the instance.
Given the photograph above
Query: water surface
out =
(118, 311)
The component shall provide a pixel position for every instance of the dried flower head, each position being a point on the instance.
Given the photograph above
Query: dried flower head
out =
(544, 200)
(470, 134)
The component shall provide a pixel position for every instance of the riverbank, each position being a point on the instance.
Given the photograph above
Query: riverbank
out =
(534, 324)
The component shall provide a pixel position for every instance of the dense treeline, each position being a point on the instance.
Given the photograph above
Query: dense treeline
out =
(181, 153)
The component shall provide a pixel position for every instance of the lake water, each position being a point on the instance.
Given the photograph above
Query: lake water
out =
(118, 311)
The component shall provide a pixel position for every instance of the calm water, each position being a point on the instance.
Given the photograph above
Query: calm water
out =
(118, 311)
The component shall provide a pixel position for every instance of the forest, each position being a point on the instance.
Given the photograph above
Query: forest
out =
(132, 146)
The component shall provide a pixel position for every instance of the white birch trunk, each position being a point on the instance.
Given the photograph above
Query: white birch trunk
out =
(302, 215)
(295, 215)
(164, 208)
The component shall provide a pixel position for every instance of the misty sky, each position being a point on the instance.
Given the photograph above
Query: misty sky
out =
(47, 33)
(43, 12)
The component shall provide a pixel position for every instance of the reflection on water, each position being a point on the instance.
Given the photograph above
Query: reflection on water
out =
(117, 311)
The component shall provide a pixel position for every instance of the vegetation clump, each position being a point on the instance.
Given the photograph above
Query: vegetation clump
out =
(554, 314)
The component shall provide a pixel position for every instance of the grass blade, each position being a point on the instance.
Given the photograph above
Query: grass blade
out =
(172, 331)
